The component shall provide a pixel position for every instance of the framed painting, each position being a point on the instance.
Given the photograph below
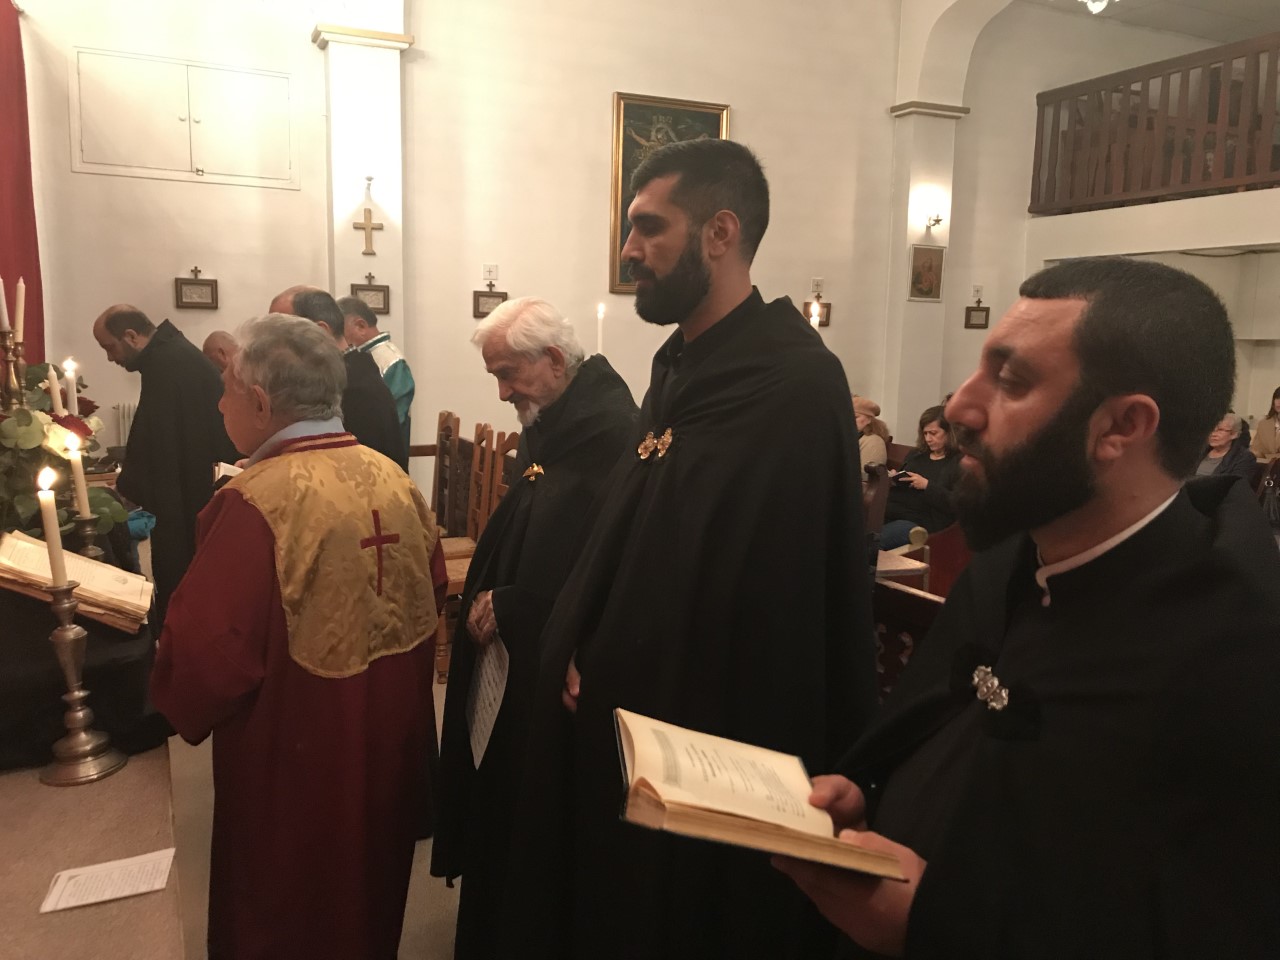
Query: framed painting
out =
(824, 312)
(926, 273)
(977, 318)
(377, 296)
(195, 294)
(640, 126)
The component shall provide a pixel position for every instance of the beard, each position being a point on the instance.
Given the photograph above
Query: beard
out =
(671, 299)
(129, 359)
(529, 415)
(1039, 480)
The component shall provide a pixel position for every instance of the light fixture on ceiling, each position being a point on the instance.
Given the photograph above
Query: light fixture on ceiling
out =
(1096, 6)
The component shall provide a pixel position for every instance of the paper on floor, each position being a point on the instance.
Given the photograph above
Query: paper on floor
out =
(108, 881)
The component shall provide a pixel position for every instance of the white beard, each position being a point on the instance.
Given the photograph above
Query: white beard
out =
(528, 415)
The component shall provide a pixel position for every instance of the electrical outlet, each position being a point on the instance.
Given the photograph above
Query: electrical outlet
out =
(491, 272)
(977, 291)
(815, 286)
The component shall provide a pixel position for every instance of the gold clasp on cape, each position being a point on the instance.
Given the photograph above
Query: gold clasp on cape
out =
(534, 472)
(651, 443)
(987, 684)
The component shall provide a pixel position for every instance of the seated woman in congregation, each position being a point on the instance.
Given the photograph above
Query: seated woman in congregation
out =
(921, 492)
(1266, 439)
(873, 434)
(1224, 455)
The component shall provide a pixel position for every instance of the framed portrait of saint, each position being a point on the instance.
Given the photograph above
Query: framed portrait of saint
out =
(641, 125)
(925, 277)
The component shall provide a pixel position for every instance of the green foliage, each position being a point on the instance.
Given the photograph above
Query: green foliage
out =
(21, 431)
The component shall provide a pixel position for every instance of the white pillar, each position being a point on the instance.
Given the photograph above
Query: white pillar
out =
(362, 67)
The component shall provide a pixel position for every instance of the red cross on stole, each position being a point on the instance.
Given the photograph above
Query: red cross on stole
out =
(377, 540)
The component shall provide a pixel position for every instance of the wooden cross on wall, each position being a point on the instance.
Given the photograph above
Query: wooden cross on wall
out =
(368, 226)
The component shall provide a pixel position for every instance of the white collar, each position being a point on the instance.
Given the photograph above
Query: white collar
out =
(1048, 570)
(299, 428)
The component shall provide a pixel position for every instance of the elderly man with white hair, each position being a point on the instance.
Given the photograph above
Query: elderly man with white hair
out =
(578, 417)
(300, 639)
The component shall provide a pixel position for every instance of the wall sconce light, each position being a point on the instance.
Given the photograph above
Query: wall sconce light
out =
(934, 221)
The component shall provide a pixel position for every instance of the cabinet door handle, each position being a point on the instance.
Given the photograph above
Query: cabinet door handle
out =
(181, 118)
(195, 119)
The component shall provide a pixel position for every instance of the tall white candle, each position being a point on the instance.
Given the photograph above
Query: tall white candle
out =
(19, 308)
(77, 476)
(52, 536)
(815, 313)
(600, 328)
(4, 308)
(55, 394)
(69, 368)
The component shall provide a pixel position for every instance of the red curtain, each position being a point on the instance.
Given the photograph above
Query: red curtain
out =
(19, 251)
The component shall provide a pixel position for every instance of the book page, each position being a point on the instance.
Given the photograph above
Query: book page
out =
(701, 770)
(484, 699)
(30, 558)
(108, 881)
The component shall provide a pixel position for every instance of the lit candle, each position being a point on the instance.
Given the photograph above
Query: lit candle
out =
(55, 393)
(52, 538)
(815, 313)
(600, 328)
(18, 309)
(77, 475)
(4, 308)
(69, 368)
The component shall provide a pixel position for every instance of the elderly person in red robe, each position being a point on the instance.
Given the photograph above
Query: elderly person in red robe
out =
(300, 637)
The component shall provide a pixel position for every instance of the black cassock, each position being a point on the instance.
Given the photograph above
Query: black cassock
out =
(369, 410)
(1124, 803)
(176, 438)
(524, 556)
(725, 588)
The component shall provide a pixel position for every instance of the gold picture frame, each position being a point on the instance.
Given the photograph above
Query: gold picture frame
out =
(924, 279)
(641, 124)
(189, 294)
(484, 302)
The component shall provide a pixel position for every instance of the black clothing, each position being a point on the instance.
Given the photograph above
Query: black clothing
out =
(177, 437)
(524, 556)
(1123, 804)
(369, 410)
(931, 507)
(724, 587)
(1238, 461)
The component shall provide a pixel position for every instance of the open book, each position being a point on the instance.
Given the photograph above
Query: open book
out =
(708, 787)
(107, 594)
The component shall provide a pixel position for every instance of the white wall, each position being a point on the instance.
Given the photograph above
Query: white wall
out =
(106, 239)
(508, 147)
(1025, 49)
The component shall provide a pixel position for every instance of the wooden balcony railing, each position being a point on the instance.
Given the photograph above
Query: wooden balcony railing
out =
(1198, 124)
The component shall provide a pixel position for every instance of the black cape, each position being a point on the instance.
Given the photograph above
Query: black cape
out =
(524, 556)
(177, 437)
(1124, 803)
(725, 588)
(369, 410)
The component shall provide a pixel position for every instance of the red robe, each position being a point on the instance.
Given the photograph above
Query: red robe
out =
(321, 783)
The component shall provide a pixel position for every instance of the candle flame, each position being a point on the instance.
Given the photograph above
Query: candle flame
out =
(73, 442)
(600, 311)
(68, 366)
(46, 478)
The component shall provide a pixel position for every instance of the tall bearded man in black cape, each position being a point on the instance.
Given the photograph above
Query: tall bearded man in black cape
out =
(1081, 760)
(724, 588)
(578, 418)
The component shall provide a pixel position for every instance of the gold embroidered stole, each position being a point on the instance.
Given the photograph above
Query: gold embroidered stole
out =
(353, 543)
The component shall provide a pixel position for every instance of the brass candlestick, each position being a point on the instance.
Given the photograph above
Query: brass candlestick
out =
(87, 531)
(84, 754)
(13, 374)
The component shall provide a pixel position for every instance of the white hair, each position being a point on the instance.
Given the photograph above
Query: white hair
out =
(296, 364)
(531, 325)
